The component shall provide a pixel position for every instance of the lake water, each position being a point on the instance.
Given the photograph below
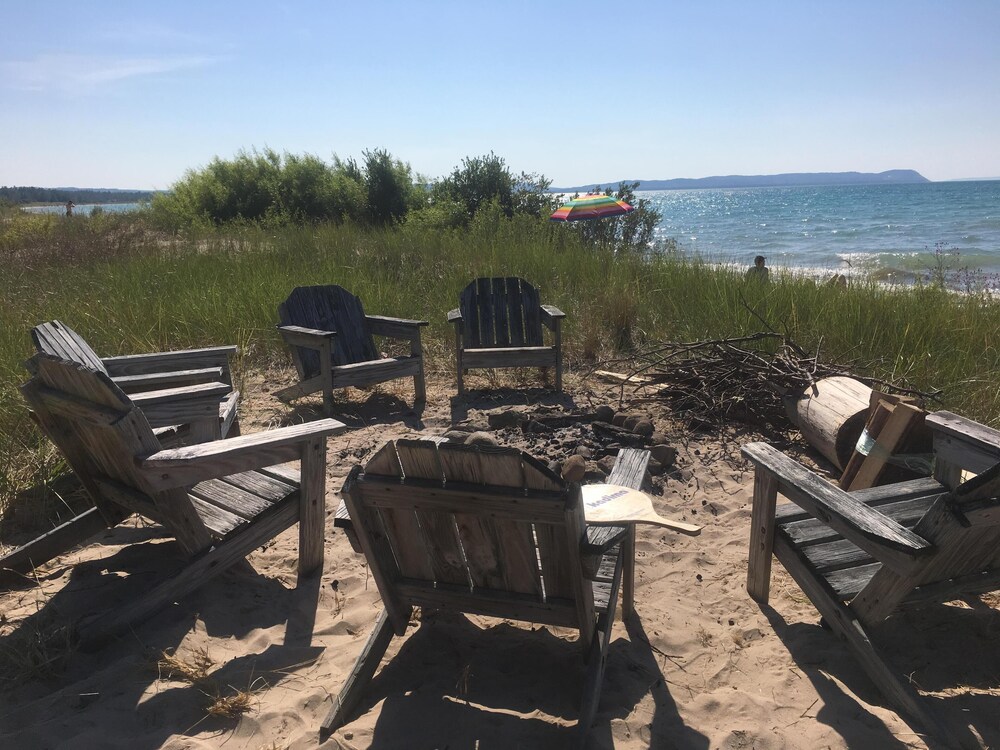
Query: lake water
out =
(83, 209)
(887, 231)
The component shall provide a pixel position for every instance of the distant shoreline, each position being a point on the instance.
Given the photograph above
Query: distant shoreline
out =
(788, 179)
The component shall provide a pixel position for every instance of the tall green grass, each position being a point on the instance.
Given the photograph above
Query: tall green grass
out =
(127, 289)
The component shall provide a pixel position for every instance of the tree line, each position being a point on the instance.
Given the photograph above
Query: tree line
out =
(23, 195)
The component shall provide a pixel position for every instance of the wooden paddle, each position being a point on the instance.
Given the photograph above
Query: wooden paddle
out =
(614, 505)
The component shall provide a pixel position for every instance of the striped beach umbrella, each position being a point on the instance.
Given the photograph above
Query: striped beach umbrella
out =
(591, 206)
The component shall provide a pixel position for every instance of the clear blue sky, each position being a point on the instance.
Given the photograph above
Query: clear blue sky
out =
(133, 94)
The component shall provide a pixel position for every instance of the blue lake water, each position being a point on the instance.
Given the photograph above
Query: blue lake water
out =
(83, 209)
(888, 231)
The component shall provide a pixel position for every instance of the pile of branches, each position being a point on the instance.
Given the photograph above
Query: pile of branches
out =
(744, 379)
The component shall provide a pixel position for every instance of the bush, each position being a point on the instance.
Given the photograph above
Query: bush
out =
(484, 179)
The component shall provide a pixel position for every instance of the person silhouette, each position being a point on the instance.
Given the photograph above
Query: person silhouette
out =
(759, 271)
(69, 208)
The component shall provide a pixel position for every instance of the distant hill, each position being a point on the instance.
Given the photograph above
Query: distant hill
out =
(791, 179)
(25, 195)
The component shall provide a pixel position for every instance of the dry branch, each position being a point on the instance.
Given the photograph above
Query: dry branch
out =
(742, 379)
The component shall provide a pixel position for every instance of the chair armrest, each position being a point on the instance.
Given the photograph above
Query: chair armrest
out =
(192, 403)
(188, 465)
(182, 359)
(396, 328)
(455, 316)
(551, 316)
(311, 338)
(880, 536)
(157, 380)
(962, 442)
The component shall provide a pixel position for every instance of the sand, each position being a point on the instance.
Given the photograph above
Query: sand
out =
(701, 665)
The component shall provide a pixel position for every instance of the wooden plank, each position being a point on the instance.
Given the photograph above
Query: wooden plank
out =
(312, 506)
(527, 356)
(960, 443)
(62, 341)
(500, 554)
(230, 498)
(903, 419)
(375, 371)
(515, 311)
(179, 359)
(874, 497)
(765, 494)
(359, 677)
(438, 533)
(904, 512)
(881, 537)
(501, 325)
(531, 305)
(158, 380)
(219, 521)
(51, 544)
(385, 462)
(484, 304)
(876, 421)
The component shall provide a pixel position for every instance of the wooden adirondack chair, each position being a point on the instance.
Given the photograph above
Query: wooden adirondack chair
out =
(498, 323)
(220, 500)
(332, 346)
(159, 374)
(485, 531)
(861, 556)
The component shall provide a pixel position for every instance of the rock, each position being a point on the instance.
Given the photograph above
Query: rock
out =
(554, 466)
(595, 476)
(480, 438)
(456, 436)
(643, 427)
(631, 421)
(665, 454)
(574, 468)
(583, 450)
(619, 419)
(503, 419)
(466, 427)
(606, 464)
(604, 414)
(655, 467)
(658, 438)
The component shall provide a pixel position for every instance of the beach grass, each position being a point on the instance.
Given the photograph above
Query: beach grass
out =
(129, 289)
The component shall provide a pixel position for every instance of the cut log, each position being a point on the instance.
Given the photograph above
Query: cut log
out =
(831, 415)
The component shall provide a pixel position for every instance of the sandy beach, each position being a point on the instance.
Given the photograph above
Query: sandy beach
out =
(700, 665)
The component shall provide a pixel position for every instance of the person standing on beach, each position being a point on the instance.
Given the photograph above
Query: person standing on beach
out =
(759, 271)
(69, 208)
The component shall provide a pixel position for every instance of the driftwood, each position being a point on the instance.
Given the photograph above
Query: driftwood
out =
(831, 415)
(746, 379)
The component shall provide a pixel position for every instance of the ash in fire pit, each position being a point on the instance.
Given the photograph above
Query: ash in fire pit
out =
(581, 446)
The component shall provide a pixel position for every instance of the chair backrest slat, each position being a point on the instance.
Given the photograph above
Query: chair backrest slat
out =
(329, 308)
(59, 340)
(501, 312)
(101, 449)
(517, 535)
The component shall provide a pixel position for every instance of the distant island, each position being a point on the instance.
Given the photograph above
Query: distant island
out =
(791, 179)
(20, 196)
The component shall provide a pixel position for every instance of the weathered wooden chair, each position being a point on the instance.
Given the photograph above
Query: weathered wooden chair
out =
(156, 375)
(490, 532)
(220, 500)
(861, 556)
(498, 323)
(332, 346)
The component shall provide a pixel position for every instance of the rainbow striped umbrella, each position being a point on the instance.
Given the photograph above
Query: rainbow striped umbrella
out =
(591, 206)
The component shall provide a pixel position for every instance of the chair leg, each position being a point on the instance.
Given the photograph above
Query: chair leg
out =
(312, 506)
(765, 498)
(628, 572)
(419, 386)
(362, 673)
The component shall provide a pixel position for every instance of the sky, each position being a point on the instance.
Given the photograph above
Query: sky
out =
(134, 94)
